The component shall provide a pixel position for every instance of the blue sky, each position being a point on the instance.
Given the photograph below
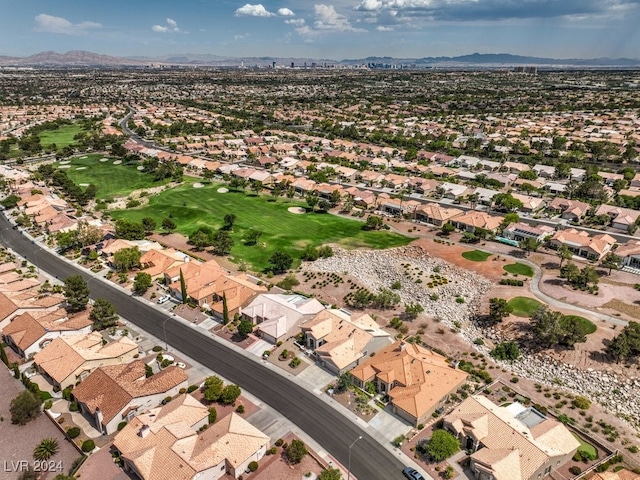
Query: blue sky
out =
(330, 29)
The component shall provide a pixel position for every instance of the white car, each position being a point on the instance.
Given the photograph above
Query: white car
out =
(164, 298)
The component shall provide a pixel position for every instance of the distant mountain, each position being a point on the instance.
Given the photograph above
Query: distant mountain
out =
(504, 59)
(72, 58)
(83, 58)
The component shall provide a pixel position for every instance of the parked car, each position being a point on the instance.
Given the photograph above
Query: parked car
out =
(164, 298)
(412, 474)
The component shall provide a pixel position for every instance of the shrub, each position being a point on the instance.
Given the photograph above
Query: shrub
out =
(581, 402)
(48, 404)
(88, 446)
(46, 449)
(253, 466)
(397, 442)
(240, 409)
(192, 388)
(213, 415)
(575, 470)
(73, 432)
(24, 407)
(157, 348)
(442, 445)
(296, 451)
(279, 442)
(295, 362)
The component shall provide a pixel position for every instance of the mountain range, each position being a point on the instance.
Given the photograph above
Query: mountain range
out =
(79, 58)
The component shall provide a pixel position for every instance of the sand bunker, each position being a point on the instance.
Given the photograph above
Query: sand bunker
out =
(117, 162)
(140, 167)
(223, 190)
(84, 184)
(64, 166)
(104, 159)
(198, 185)
(81, 168)
(65, 162)
(83, 157)
(296, 210)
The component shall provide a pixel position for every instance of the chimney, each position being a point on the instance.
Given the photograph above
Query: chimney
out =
(144, 431)
(402, 346)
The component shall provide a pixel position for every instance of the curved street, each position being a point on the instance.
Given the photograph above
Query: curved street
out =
(317, 418)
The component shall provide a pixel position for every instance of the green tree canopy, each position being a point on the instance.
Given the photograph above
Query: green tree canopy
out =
(296, 451)
(222, 242)
(25, 407)
(506, 351)
(499, 308)
(141, 283)
(212, 388)
(76, 293)
(280, 262)
(104, 314)
(127, 258)
(229, 394)
(442, 445)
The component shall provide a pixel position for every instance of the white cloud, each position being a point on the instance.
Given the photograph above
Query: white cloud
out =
(237, 38)
(170, 27)
(295, 21)
(328, 20)
(382, 28)
(285, 12)
(51, 24)
(249, 10)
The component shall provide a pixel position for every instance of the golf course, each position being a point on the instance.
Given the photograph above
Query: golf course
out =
(112, 179)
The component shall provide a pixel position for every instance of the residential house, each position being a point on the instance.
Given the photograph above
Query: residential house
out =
(622, 474)
(438, 171)
(514, 442)
(114, 394)
(417, 381)
(471, 220)
(521, 231)
(27, 333)
(235, 290)
(423, 186)
(529, 204)
(555, 188)
(68, 360)
(396, 181)
(198, 278)
(277, 315)
(635, 181)
(362, 198)
(371, 177)
(545, 171)
(398, 206)
(569, 209)
(157, 262)
(516, 167)
(166, 443)
(341, 341)
(436, 214)
(630, 254)
(583, 245)
(454, 191)
(621, 218)
(485, 195)
(13, 304)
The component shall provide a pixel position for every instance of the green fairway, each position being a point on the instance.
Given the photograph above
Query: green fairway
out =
(192, 207)
(519, 269)
(62, 137)
(111, 180)
(587, 325)
(524, 306)
(476, 256)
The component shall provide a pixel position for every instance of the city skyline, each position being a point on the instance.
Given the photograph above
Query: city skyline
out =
(337, 29)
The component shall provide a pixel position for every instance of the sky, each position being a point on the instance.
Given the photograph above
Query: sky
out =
(323, 29)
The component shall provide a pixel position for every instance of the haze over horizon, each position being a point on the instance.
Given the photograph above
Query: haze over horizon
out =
(336, 29)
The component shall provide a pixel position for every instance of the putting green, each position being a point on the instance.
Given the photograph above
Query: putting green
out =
(519, 269)
(476, 256)
(524, 306)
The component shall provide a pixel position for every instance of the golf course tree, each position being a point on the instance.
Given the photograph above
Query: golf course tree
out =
(564, 253)
(76, 293)
(25, 407)
(222, 242)
(626, 345)
(141, 283)
(529, 245)
(129, 230)
(229, 220)
(201, 238)
(312, 200)
(373, 223)
(447, 229)
(104, 314)
(412, 310)
(126, 258)
(499, 308)
(551, 328)
(280, 262)
(252, 237)
(149, 225)
(611, 261)
(168, 225)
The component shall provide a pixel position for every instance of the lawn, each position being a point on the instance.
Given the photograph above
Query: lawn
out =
(192, 207)
(586, 447)
(476, 255)
(524, 306)
(111, 180)
(62, 137)
(519, 269)
(587, 325)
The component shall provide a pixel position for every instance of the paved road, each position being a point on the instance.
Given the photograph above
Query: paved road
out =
(370, 460)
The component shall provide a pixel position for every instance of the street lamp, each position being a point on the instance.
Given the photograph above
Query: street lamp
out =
(349, 464)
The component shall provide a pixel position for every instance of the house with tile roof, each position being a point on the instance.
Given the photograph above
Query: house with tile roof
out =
(340, 341)
(116, 393)
(471, 220)
(510, 443)
(238, 290)
(520, 231)
(621, 218)
(417, 381)
(165, 443)
(630, 254)
(436, 214)
(279, 316)
(583, 245)
(68, 360)
(156, 262)
(13, 304)
(27, 334)
(198, 278)
(569, 209)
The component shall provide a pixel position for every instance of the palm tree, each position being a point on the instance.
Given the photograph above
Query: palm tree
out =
(46, 449)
